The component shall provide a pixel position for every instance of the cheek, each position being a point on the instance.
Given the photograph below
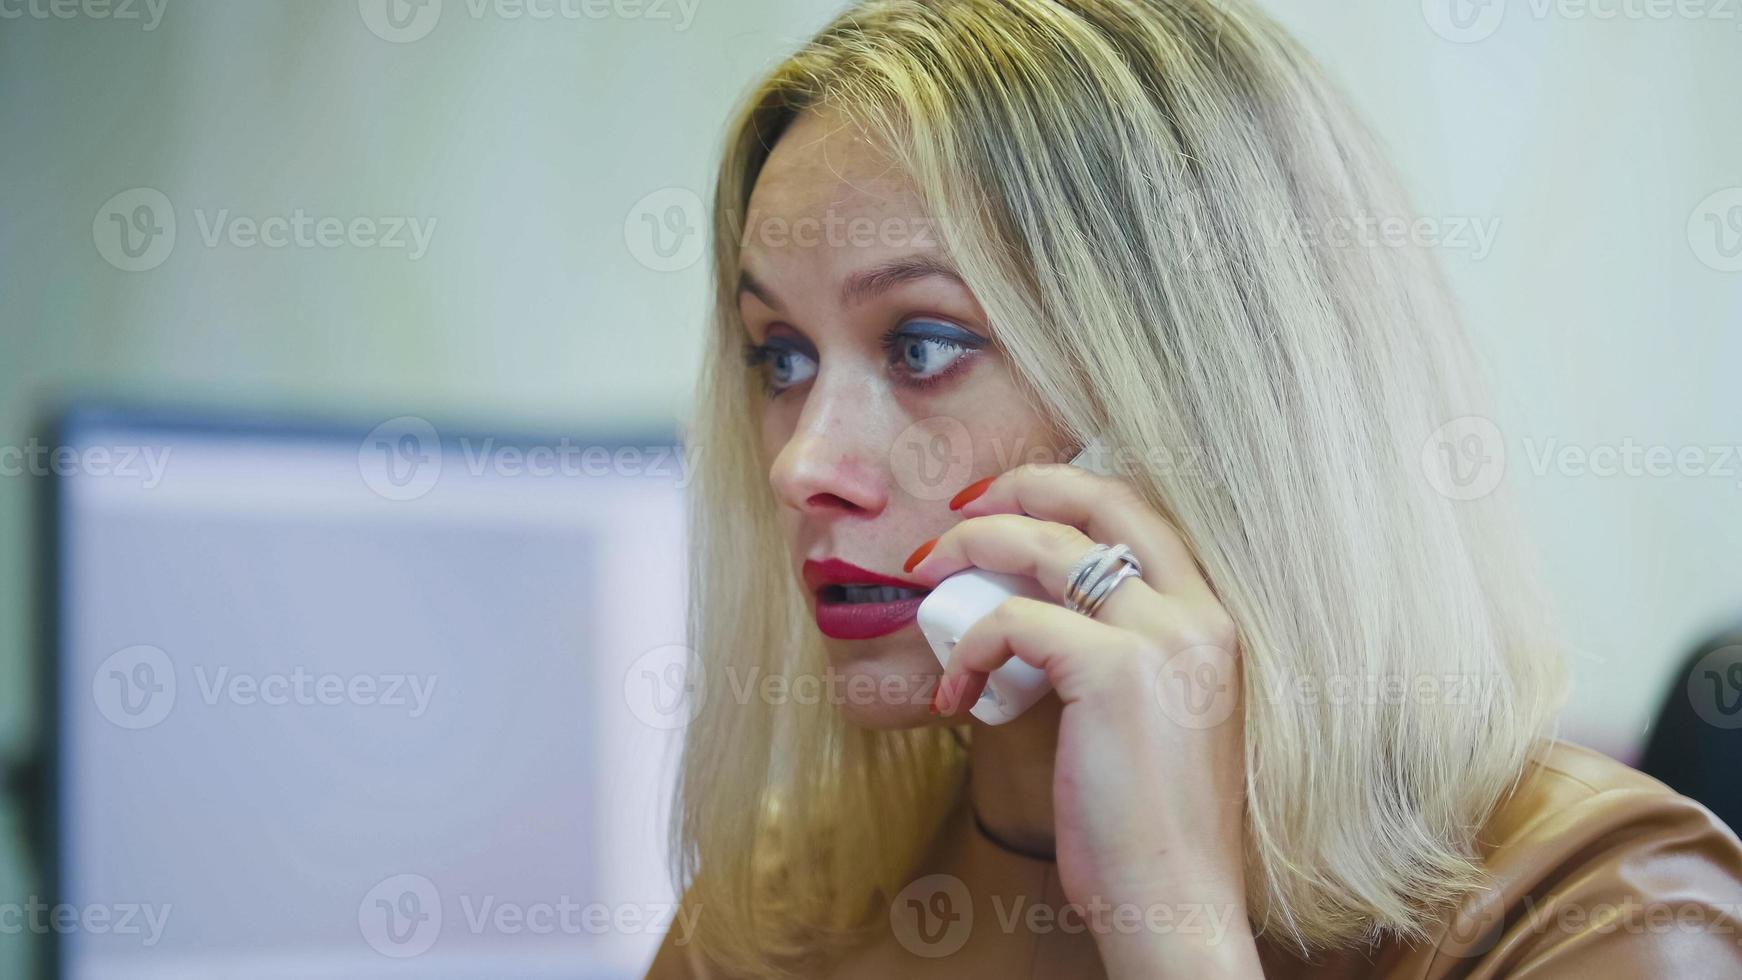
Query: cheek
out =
(1005, 429)
(1015, 438)
(775, 426)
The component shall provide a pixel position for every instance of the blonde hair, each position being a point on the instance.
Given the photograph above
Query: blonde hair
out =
(1129, 188)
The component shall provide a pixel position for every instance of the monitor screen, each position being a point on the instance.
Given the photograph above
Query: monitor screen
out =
(365, 702)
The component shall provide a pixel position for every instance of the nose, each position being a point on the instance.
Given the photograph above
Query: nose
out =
(831, 463)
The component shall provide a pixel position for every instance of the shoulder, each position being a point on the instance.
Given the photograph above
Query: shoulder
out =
(1571, 798)
(1597, 869)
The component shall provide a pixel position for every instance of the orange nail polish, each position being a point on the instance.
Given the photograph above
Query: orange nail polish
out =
(918, 555)
(970, 491)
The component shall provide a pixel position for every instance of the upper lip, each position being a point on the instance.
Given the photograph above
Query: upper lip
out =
(834, 571)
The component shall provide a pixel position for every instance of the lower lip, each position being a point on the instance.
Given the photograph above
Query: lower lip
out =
(864, 620)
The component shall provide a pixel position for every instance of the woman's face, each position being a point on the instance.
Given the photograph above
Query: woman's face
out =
(886, 394)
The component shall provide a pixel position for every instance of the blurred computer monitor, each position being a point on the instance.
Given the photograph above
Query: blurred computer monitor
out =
(362, 701)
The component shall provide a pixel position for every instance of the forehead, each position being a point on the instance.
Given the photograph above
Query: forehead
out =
(825, 167)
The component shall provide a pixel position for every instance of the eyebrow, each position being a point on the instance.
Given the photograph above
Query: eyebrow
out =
(866, 283)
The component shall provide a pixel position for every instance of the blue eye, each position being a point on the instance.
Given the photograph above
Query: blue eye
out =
(782, 366)
(789, 367)
(926, 350)
(920, 351)
(926, 356)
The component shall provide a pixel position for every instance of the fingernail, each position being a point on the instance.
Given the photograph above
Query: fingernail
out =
(918, 555)
(970, 491)
(937, 695)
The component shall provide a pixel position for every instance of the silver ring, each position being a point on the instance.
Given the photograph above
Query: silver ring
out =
(1105, 588)
(1094, 577)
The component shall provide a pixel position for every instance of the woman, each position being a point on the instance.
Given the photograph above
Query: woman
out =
(956, 239)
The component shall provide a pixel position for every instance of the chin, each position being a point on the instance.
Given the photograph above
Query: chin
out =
(885, 682)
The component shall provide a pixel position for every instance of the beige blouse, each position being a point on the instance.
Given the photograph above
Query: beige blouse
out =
(1597, 871)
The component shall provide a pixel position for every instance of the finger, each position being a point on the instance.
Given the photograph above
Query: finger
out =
(1107, 509)
(1069, 647)
(1015, 544)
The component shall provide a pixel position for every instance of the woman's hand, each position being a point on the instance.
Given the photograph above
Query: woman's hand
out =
(1148, 785)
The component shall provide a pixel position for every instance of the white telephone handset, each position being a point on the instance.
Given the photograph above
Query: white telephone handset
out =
(960, 601)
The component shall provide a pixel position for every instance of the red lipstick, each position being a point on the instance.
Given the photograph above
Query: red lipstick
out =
(847, 603)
